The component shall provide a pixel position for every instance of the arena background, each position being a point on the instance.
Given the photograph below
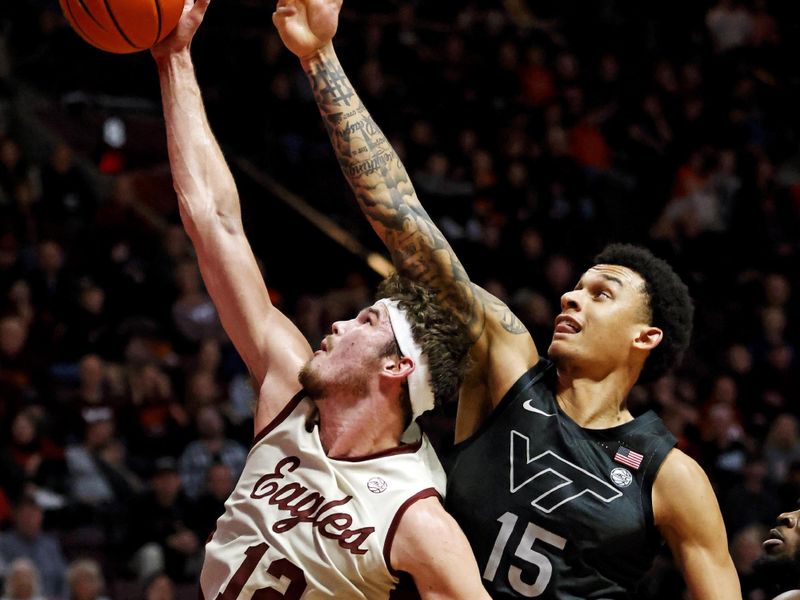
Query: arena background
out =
(535, 132)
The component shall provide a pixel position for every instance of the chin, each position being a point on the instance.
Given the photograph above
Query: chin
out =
(311, 381)
(558, 350)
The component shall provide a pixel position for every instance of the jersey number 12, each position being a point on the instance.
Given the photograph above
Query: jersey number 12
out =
(278, 568)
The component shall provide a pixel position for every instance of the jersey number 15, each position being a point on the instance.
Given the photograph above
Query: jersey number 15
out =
(524, 551)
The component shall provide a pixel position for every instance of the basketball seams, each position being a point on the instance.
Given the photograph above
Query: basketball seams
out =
(75, 23)
(122, 26)
(119, 28)
(91, 16)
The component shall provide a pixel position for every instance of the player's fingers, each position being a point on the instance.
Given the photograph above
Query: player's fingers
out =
(200, 7)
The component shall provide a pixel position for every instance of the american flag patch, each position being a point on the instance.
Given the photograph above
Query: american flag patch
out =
(626, 456)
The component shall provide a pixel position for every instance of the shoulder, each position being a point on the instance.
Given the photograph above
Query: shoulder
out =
(505, 345)
(680, 468)
(680, 489)
(424, 527)
(434, 551)
(271, 413)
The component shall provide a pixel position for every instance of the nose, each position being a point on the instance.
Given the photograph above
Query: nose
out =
(336, 328)
(570, 300)
(788, 520)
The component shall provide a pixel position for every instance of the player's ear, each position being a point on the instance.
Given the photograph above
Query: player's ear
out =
(648, 338)
(397, 367)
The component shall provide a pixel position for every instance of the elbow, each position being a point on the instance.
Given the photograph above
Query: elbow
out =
(215, 209)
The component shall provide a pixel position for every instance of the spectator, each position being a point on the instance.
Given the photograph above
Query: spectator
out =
(68, 202)
(95, 394)
(211, 447)
(730, 24)
(17, 366)
(27, 540)
(31, 460)
(85, 580)
(219, 484)
(22, 581)
(782, 446)
(751, 502)
(159, 587)
(89, 485)
(163, 539)
(193, 313)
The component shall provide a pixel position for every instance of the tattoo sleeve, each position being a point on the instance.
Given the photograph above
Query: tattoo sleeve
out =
(386, 195)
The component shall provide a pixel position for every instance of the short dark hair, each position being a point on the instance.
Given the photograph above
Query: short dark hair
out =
(443, 338)
(667, 300)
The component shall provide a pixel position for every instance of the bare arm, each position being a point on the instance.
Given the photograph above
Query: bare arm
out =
(430, 547)
(209, 206)
(687, 514)
(503, 348)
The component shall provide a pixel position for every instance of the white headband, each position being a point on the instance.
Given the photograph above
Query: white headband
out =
(420, 392)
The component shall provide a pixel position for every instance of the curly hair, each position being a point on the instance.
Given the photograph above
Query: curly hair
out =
(667, 302)
(443, 338)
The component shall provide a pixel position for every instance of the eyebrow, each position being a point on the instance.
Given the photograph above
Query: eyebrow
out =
(614, 279)
(374, 311)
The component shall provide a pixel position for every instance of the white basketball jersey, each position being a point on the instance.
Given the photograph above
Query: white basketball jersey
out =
(302, 525)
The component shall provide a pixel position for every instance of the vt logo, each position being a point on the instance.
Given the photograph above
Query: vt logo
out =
(561, 480)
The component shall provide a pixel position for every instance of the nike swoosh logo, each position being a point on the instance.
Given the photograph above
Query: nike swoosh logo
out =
(527, 405)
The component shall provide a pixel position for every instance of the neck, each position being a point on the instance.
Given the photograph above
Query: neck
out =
(358, 426)
(595, 402)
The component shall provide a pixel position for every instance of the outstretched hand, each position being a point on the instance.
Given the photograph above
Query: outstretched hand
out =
(181, 37)
(305, 26)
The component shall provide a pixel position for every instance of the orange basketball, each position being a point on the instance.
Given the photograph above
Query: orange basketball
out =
(122, 26)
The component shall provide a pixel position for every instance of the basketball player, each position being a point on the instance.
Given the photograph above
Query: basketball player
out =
(780, 564)
(330, 504)
(560, 490)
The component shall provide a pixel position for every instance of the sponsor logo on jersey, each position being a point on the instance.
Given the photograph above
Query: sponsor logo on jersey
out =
(528, 405)
(377, 485)
(558, 480)
(302, 505)
(621, 477)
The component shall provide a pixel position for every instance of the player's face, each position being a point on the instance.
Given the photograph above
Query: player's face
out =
(784, 539)
(349, 356)
(599, 320)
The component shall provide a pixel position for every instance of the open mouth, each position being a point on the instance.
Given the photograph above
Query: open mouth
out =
(774, 541)
(567, 325)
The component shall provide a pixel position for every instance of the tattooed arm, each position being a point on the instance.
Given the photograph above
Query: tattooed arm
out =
(503, 349)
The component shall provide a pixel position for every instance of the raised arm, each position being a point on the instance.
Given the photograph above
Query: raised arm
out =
(503, 348)
(271, 346)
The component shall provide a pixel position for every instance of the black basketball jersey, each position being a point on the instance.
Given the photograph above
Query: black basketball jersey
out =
(553, 510)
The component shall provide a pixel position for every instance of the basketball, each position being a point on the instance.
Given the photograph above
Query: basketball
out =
(122, 26)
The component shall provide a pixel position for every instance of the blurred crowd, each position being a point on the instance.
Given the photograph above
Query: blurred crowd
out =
(535, 132)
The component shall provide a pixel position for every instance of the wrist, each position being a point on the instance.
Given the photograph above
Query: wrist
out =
(317, 56)
(172, 59)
